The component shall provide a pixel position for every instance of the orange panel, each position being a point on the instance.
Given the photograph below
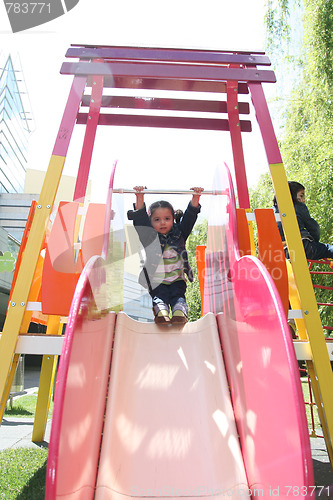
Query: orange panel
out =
(244, 242)
(270, 252)
(61, 272)
(93, 231)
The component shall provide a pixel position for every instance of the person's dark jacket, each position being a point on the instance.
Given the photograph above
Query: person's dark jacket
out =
(309, 228)
(154, 243)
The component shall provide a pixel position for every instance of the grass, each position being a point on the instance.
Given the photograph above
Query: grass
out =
(25, 407)
(22, 473)
(306, 395)
(23, 470)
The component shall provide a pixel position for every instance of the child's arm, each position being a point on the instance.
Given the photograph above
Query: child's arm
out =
(139, 196)
(191, 213)
(196, 196)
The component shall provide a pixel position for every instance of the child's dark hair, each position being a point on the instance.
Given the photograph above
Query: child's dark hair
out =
(177, 215)
(295, 187)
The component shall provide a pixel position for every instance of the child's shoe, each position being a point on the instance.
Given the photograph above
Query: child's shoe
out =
(180, 311)
(161, 312)
(179, 317)
(162, 317)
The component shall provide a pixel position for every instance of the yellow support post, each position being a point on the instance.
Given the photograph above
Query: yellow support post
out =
(301, 331)
(313, 326)
(24, 279)
(46, 380)
(8, 385)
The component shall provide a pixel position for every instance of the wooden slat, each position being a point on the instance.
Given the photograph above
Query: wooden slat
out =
(60, 272)
(165, 103)
(170, 71)
(165, 84)
(271, 253)
(227, 51)
(164, 122)
(244, 240)
(160, 54)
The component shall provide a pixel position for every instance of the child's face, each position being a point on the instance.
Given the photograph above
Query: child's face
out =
(301, 196)
(162, 220)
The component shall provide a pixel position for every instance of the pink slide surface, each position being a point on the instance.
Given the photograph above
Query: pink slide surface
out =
(169, 428)
(166, 414)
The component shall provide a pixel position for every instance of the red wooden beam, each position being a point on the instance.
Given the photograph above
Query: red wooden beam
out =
(164, 122)
(164, 84)
(160, 54)
(165, 70)
(166, 104)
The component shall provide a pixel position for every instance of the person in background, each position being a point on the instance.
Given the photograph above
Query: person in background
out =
(163, 234)
(309, 227)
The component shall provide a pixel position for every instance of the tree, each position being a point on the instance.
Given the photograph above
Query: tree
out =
(306, 128)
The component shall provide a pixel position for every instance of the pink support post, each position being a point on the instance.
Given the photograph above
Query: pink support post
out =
(237, 145)
(89, 138)
(265, 123)
(69, 117)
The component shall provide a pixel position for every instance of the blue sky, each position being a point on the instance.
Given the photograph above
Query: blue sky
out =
(157, 158)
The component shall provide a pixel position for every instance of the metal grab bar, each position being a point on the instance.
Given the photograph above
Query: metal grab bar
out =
(164, 191)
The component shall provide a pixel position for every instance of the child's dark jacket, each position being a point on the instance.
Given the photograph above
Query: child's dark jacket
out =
(309, 227)
(154, 243)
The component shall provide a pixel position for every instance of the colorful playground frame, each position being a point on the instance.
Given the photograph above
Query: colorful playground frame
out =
(221, 72)
(143, 352)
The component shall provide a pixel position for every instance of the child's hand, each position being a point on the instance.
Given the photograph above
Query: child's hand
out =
(139, 189)
(139, 193)
(196, 195)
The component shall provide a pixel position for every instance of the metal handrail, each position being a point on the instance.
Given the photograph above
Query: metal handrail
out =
(164, 191)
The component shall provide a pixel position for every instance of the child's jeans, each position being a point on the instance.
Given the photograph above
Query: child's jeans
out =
(315, 250)
(172, 295)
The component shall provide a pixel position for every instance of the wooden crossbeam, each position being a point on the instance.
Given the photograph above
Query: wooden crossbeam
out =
(164, 122)
(51, 345)
(170, 71)
(170, 55)
(128, 102)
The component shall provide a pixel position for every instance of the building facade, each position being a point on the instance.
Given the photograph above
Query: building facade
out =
(16, 124)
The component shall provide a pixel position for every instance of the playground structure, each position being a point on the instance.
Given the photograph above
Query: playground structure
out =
(247, 316)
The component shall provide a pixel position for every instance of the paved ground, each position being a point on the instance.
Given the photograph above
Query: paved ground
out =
(17, 432)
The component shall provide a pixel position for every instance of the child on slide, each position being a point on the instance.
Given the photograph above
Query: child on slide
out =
(163, 234)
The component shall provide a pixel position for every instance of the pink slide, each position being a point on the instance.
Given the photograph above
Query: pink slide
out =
(166, 414)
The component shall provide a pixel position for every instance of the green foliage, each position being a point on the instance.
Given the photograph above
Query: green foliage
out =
(23, 473)
(319, 40)
(276, 21)
(261, 196)
(193, 298)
